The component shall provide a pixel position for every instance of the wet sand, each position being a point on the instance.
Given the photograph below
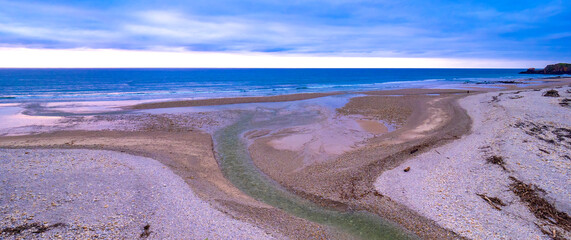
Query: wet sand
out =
(372, 126)
(224, 101)
(423, 118)
(345, 181)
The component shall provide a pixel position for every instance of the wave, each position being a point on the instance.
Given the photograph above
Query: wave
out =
(158, 84)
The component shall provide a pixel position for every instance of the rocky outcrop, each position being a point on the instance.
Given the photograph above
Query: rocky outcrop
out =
(560, 68)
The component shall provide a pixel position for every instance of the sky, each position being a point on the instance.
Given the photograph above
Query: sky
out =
(274, 33)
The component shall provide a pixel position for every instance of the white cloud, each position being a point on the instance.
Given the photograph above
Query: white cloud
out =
(62, 35)
(185, 29)
(44, 8)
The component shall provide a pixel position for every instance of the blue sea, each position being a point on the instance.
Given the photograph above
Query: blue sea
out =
(55, 85)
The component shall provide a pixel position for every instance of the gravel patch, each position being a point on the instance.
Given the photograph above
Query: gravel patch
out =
(80, 194)
(467, 185)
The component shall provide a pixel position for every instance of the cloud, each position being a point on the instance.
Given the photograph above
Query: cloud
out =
(60, 35)
(173, 25)
(239, 34)
(407, 28)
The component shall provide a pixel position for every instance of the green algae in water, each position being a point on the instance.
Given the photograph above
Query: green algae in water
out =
(238, 167)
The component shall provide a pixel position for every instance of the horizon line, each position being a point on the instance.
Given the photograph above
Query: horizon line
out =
(238, 68)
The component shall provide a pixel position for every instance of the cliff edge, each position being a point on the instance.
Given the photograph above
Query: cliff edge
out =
(560, 68)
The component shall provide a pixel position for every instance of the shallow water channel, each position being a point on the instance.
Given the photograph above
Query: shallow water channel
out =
(238, 167)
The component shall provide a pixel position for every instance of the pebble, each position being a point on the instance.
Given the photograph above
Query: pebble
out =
(104, 194)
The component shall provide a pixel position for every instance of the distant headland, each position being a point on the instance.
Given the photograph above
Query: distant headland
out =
(559, 68)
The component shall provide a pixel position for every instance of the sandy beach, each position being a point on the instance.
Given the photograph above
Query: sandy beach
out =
(415, 157)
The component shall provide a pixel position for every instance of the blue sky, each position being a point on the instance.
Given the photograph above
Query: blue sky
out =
(498, 29)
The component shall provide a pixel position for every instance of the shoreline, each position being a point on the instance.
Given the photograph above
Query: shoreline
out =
(471, 88)
(221, 194)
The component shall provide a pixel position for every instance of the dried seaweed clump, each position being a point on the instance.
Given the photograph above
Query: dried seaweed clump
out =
(493, 201)
(497, 160)
(538, 205)
(550, 134)
(551, 93)
(33, 227)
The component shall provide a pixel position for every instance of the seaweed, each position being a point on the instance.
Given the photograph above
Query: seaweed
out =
(543, 150)
(35, 227)
(552, 234)
(493, 201)
(497, 160)
(550, 134)
(540, 207)
(377, 194)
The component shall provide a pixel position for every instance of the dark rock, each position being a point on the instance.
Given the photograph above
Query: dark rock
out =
(551, 93)
(509, 82)
(146, 231)
(560, 68)
(407, 169)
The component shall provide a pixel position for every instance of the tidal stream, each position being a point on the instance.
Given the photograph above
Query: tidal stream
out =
(238, 167)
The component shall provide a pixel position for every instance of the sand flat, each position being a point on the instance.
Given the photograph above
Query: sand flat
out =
(372, 126)
(294, 142)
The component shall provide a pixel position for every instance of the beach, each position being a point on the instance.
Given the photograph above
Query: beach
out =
(302, 120)
(79, 194)
(471, 185)
(415, 157)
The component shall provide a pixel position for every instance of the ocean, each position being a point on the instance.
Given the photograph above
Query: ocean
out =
(57, 85)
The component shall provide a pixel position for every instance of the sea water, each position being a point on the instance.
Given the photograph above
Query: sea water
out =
(54, 85)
